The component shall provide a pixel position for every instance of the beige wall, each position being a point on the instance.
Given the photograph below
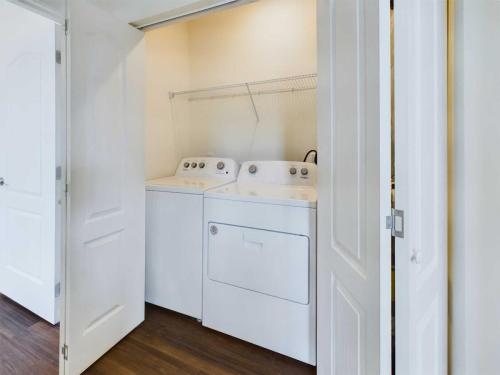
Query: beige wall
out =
(263, 40)
(167, 69)
(267, 39)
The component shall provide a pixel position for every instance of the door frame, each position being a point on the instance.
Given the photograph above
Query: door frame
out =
(62, 156)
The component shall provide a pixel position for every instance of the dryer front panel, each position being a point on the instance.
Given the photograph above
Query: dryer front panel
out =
(262, 261)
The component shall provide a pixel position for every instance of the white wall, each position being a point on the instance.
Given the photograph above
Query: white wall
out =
(475, 309)
(263, 40)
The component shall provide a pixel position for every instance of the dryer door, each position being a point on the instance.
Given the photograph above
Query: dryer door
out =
(263, 261)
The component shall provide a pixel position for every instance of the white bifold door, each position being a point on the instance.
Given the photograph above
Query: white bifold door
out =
(354, 244)
(354, 182)
(420, 37)
(105, 252)
(28, 271)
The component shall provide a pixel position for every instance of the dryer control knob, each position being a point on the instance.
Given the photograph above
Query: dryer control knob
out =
(202, 165)
(304, 171)
(220, 165)
(293, 171)
(252, 169)
(186, 165)
(194, 165)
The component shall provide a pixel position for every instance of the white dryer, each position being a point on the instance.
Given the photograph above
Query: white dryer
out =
(259, 267)
(174, 232)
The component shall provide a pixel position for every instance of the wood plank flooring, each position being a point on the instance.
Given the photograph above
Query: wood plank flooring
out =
(168, 343)
(28, 344)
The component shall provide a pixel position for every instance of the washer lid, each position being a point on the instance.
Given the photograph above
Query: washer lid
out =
(285, 195)
(186, 185)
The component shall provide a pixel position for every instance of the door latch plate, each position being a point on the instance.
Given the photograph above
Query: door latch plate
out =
(396, 223)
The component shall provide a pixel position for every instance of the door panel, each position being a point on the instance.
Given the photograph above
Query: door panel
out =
(354, 187)
(421, 147)
(28, 271)
(105, 258)
(263, 261)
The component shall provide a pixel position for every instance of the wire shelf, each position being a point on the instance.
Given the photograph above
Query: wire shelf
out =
(275, 86)
(267, 87)
(249, 114)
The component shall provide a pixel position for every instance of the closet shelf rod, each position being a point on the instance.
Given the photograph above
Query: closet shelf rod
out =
(255, 93)
(236, 85)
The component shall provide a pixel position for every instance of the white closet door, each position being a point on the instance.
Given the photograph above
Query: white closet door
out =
(27, 160)
(421, 186)
(106, 251)
(354, 306)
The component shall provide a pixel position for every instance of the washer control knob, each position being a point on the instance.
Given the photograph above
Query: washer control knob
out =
(293, 171)
(194, 165)
(220, 165)
(186, 165)
(304, 171)
(252, 169)
(202, 165)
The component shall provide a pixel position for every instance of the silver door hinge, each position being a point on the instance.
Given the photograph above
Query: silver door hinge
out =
(58, 57)
(57, 290)
(64, 351)
(396, 223)
(66, 27)
(66, 188)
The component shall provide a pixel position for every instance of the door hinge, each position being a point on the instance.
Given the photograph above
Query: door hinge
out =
(66, 188)
(66, 27)
(58, 290)
(64, 351)
(396, 223)
(58, 57)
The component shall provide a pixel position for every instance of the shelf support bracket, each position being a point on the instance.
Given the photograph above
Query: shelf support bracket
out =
(253, 102)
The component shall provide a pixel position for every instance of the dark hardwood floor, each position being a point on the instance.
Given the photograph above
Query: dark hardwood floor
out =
(28, 344)
(168, 343)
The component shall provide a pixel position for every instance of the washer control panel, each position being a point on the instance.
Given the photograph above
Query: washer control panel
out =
(278, 173)
(208, 167)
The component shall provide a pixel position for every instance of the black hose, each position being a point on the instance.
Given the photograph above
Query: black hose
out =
(315, 156)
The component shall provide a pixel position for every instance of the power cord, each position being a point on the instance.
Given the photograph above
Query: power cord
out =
(315, 156)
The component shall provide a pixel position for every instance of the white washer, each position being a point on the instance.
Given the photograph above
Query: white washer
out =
(259, 267)
(174, 232)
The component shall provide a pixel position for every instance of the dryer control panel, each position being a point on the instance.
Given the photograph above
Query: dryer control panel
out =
(208, 167)
(278, 173)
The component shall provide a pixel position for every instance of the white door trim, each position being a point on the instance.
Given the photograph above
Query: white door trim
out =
(63, 146)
